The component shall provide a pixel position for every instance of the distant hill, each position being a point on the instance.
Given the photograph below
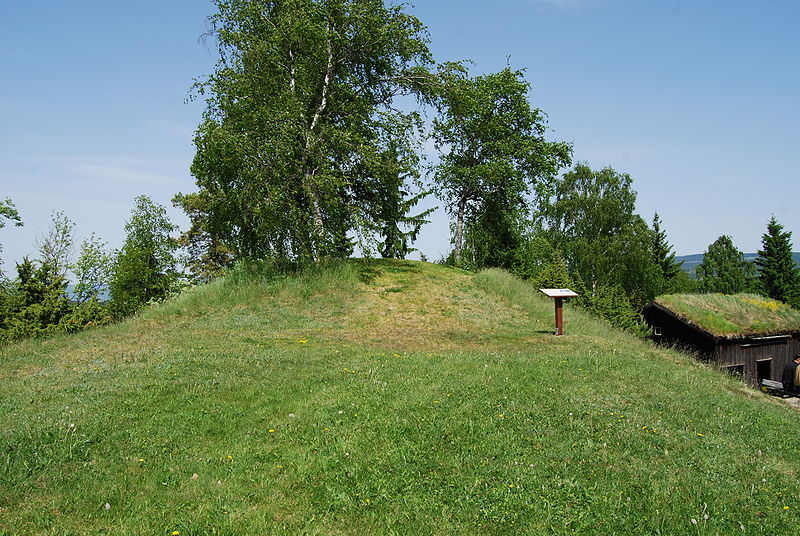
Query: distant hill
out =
(690, 262)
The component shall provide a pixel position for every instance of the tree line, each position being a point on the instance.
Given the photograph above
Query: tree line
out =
(106, 285)
(311, 148)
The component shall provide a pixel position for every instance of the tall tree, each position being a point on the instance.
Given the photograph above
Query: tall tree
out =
(590, 217)
(144, 269)
(724, 269)
(297, 105)
(206, 254)
(92, 270)
(493, 152)
(673, 278)
(778, 275)
(58, 245)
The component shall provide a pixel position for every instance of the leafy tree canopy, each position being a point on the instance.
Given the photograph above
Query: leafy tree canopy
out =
(493, 153)
(589, 216)
(57, 246)
(8, 212)
(144, 269)
(300, 108)
(724, 269)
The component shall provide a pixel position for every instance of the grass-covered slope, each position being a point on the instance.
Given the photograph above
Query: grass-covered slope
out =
(400, 398)
(736, 315)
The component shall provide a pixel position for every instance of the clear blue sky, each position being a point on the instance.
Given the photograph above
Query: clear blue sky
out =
(696, 100)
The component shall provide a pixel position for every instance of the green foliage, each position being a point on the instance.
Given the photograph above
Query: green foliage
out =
(724, 269)
(532, 254)
(554, 273)
(612, 303)
(8, 212)
(299, 114)
(544, 266)
(37, 302)
(57, 246)
(207, 256)
(673, 278)
(778, 275)
(383, 196)
(144, 269)
(589, 216)
(92, 270)
(495, 154)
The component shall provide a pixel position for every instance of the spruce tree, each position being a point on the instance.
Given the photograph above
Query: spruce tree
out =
(664, 258)
(778, 275)
(724, 269)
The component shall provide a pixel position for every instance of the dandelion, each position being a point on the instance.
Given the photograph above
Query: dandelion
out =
(326, 429)
(107, 507)
(271, 431)
(278, 467)
(694, 521)
(785, 507)
(140, 460)
(176, 533)
(700, 435)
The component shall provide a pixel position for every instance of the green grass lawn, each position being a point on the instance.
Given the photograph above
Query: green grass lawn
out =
(382, 398)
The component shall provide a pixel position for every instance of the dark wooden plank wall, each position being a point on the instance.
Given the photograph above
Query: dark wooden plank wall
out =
(678, 333)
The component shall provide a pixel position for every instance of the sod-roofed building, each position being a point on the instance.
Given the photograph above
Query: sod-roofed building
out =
(745, 333)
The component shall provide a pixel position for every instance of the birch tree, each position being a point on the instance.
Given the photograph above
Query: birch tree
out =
(297, 106)
(493, 150)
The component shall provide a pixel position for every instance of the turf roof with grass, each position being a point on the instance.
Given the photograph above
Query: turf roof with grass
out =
(737, 315)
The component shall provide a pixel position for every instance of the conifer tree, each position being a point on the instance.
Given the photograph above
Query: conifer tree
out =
(778, 275)
(724, 269)
(664, 257)
(662, 251)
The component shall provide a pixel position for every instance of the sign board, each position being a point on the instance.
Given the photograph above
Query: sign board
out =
(558, 292)
(558, 295)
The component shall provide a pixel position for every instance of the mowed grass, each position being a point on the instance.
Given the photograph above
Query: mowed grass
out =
(382, 398)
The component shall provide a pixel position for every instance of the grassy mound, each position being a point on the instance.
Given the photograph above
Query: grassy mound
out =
(382, 398)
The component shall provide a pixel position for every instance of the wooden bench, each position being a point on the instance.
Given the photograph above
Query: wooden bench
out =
(775, 388)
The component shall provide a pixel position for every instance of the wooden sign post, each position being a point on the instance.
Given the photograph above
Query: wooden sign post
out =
(558, 295)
